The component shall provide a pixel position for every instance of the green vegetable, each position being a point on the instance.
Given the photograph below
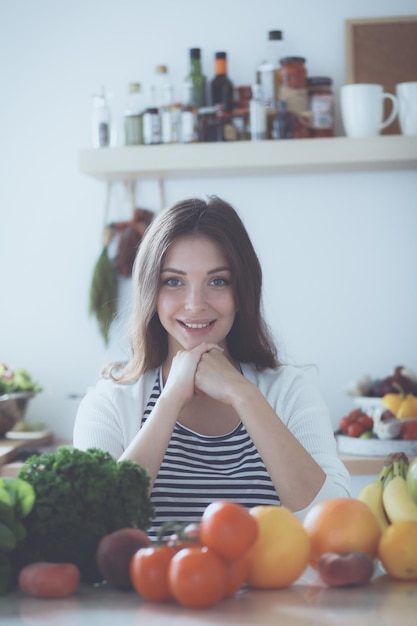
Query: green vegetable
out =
(16, 381)
(17, 499)
(80, 497)
(103, 293)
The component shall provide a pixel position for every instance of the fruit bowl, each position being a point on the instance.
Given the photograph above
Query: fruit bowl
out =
(375, 447)
(13, 408)
(367, 403)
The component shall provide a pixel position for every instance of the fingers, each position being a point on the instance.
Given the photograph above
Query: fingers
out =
(207, 347)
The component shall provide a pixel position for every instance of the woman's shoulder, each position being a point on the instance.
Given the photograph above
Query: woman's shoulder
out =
(286, 378)
(285, 373)
(107, 386)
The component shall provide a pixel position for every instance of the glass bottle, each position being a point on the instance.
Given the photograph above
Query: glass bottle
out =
(321, 103)
(101, 120)
(160, 86)
(197, 78)
(188, 115)
(169, 115)
(269, 72)
(257, 114)
(221, 86)
(282, 122)
(151, 126)
(132, 116)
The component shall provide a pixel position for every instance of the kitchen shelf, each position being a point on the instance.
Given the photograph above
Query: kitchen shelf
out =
(244, 158)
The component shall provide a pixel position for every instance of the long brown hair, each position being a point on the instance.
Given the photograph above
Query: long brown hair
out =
(249, 340)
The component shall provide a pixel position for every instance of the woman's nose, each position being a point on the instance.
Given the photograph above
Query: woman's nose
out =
(196, 299)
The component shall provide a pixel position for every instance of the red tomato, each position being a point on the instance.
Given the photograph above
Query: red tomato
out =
(366, 421)
(149, 572)
(228, 528)
(197, 577)
(344, 423)
(237, 574)
(355, 429)
(409, 429)
(49, 580)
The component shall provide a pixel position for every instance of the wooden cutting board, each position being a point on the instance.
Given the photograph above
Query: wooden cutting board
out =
(9, 448)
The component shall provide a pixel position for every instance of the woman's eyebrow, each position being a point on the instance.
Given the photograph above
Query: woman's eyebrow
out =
(172, 270)
(223, 268)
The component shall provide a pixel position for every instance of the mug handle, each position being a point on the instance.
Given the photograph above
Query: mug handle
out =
(391, 117)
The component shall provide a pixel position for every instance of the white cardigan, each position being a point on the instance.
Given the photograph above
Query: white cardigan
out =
(109, 417)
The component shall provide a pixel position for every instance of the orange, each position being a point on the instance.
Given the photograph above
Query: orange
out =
(281, 551)
(342, 525)
(397, 550)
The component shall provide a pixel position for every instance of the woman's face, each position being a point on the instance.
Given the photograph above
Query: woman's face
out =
(196, 301)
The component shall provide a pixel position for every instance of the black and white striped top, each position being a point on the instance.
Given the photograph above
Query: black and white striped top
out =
(198, 469)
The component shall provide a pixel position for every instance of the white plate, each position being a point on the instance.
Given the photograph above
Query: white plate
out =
(27, 434)
(375, 447)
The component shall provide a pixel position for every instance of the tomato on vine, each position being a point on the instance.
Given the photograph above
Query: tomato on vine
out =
(197, 577)
(149, 571)
(228, 528)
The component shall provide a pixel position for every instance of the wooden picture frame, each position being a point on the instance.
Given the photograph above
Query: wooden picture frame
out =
(383, 51)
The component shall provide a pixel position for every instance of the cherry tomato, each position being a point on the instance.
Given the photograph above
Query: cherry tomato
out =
(344, 423)
(355, 429)
(149, 572)
(197, 577)
(189, 536)
(366, 421)
(228, 528)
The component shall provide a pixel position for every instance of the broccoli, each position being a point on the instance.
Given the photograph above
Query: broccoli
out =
(80, 497)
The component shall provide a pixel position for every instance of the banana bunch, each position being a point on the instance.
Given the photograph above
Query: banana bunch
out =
(392, 496)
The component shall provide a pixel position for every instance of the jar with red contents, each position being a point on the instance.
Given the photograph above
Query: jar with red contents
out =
(293, 72)
(321, 104)
(293, 91)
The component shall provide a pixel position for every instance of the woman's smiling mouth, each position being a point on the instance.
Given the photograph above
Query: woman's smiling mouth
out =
(196, 325)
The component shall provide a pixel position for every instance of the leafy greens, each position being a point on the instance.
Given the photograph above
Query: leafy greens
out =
(80, 497)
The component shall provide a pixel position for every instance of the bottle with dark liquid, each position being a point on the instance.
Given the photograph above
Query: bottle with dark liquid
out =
(221, 86)
(197, 78)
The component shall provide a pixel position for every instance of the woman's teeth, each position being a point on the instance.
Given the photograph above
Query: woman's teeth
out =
(196, 325)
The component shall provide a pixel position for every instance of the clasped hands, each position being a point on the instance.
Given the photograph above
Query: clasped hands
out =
(203, 370)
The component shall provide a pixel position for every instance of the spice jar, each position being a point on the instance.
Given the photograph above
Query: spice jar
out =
(293, 72)
(321, 104)
(293, 91)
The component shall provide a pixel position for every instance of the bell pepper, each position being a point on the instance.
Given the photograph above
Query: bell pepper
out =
(408, 407)
(392, 401)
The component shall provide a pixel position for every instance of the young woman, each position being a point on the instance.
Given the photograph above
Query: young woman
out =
(204, 403)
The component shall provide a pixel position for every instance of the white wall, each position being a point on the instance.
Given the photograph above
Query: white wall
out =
(339, 250)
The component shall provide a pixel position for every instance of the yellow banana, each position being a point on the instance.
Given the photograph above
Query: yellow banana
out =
(398, 504)
(372, 494)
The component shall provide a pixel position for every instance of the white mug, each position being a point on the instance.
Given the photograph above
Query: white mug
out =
(362, 106)
(407, 107)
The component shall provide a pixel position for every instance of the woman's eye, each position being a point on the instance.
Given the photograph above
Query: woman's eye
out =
(219, 282)
(172, 282)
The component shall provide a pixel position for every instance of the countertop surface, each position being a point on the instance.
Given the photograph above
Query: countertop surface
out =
(383, 602)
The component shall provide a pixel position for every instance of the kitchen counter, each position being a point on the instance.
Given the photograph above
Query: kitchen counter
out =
(383, 602)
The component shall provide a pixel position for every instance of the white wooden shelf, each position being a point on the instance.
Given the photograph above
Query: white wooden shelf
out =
(244, 158)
